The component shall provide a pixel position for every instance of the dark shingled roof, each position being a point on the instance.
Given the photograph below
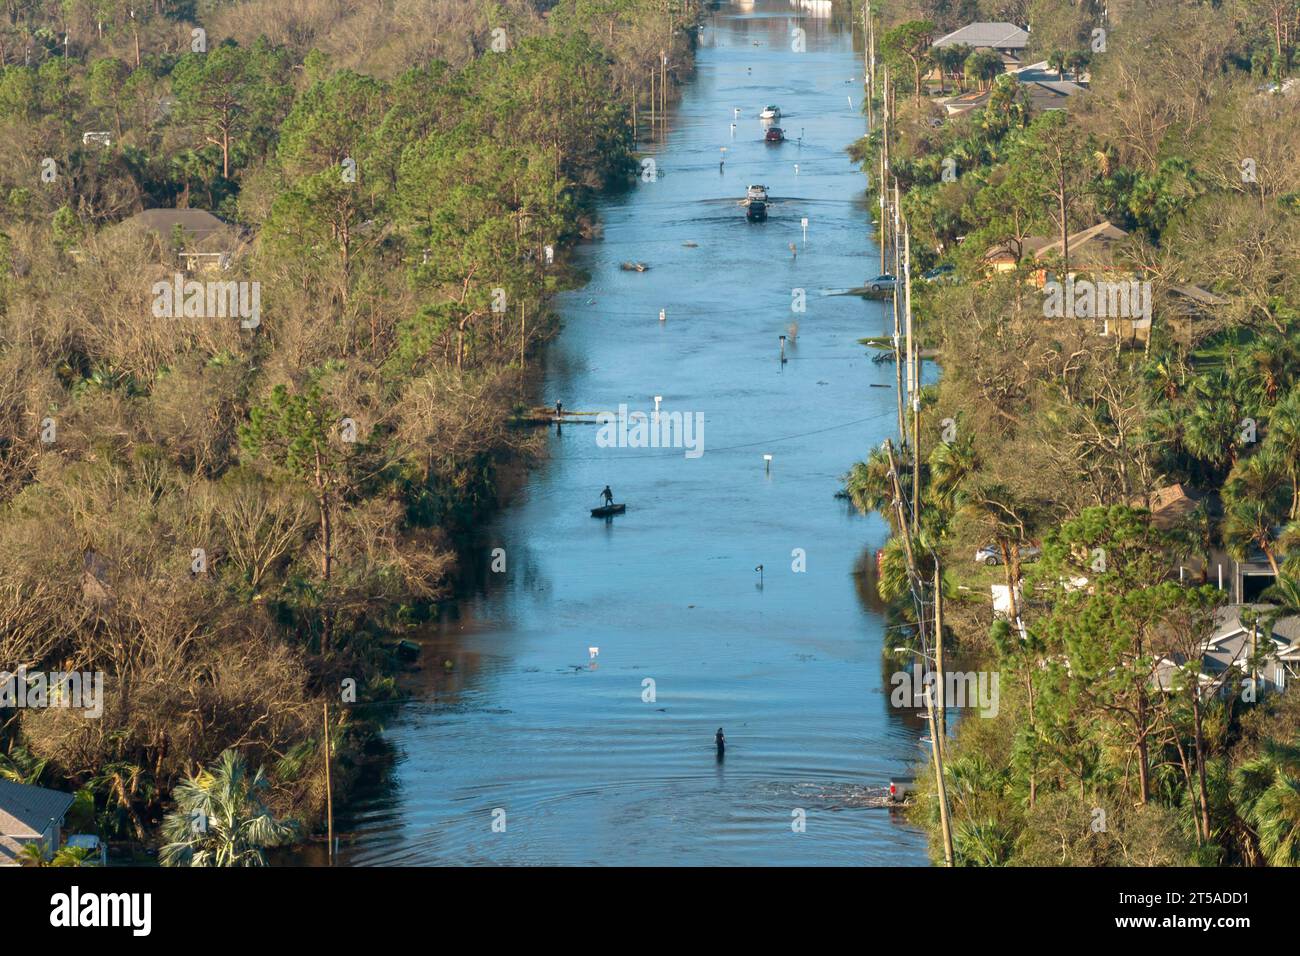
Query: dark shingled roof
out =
(198, 223)
(25, 813)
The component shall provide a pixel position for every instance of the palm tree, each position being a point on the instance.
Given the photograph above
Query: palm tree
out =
(1255, 504)
(981, 843)
(1056, 61)
(220, 820)
(73, 856)
(20, 766)
(123, 782)
(1266, 791)
(1075, 61)
(32, 854)
(1285, 593)
(870, 487)
(1284, 437)
(951, 465)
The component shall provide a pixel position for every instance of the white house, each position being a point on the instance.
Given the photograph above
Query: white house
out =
(1231, 646)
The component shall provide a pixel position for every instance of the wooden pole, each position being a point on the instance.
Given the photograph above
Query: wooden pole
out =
(653, 104)
(938, 656)
(944, 823)
(917, 587)
(884, 220)
(329, 785)
(663, 83)
(913, 373)
(907, 300)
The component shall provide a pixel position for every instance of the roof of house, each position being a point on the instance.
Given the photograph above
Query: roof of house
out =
(1192, 298)
(1048, 95)
(1006, 251)
(1040, 72)
(995, 36)
(25, 814)
(197, 223)
(1167, 505)
(1088, 246)
(962, 102)
(1227, 624)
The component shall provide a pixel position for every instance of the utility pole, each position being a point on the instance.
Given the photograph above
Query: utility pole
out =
(938, 656)
(866, 61)
(913, 373)
(918, 598)
(884, 227)
(329, 785)
(663, 83)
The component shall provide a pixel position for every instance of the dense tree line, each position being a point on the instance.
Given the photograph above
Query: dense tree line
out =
(232, 523)
(1061, 434)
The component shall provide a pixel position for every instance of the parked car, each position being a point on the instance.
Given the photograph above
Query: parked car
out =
(991, 555)
(770, 113)
(943, 273)
(900, 788)
(775, 135)
(881, 283)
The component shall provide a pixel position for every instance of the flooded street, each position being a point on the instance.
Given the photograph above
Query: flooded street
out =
(588, 769)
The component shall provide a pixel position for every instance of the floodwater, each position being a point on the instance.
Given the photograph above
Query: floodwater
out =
(525, 728)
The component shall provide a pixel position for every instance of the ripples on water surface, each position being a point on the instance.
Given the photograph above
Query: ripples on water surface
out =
(585, 770)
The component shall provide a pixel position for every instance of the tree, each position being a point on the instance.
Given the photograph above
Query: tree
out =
(220, 819)
(1266, 791)
(329, 154)
(1104, 640)
(1052, 165)
(871, 488)
(982, 67)
(951, 61)
(1076, 61)
(298, 434)
(1057, 62)
(234, 95)
(1283, 438)
(910, 42)
(1256, 502)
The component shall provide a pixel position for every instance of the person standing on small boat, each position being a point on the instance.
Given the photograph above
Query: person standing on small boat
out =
(607, 495)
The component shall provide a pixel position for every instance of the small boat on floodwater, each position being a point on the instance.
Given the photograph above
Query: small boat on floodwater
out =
(606, 511)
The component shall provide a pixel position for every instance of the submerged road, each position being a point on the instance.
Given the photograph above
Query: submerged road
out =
(611, 760)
